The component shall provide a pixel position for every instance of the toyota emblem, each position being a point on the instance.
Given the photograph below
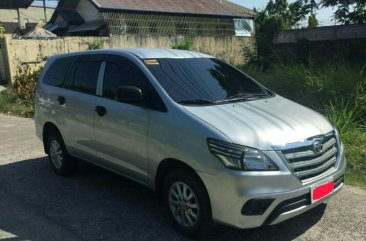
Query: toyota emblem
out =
(318, 147)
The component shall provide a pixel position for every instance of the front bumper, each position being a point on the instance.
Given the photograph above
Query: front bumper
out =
(230, 191)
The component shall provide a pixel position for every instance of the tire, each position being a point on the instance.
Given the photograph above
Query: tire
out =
(61, 162)
(187, 203)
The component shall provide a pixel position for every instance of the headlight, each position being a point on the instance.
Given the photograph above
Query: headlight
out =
(239, 157)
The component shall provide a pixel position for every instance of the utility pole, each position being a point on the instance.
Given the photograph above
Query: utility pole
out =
(19, 20)
(45, 11)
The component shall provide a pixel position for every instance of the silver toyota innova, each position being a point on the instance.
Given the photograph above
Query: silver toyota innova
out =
(215, 144)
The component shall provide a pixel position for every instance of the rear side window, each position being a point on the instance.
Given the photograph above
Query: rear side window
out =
(86, 77)
(57, 72)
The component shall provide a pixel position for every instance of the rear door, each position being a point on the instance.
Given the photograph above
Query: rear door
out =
(121, 133)
(47, 104)
(79, 95)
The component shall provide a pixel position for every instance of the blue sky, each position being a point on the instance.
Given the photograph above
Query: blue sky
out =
(40, 3)
(324, 15)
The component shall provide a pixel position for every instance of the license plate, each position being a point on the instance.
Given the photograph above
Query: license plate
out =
(321, 191)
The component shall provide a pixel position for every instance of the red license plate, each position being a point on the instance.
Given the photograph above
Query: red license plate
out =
(321, 191)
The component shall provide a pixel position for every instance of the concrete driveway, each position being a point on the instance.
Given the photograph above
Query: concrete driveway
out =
(95, 204)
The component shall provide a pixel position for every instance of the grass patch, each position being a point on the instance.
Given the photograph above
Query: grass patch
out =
(11, 104)
(18, 99)
(317, 85)
(336, 90)
(355, 145)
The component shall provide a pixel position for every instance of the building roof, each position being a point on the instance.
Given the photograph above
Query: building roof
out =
(237, 7)
(11, 4)
(39, 33)
(201, 7)
(72, 17)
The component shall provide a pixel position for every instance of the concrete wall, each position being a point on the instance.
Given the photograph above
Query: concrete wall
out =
(35, 52)
(329, 33)
(323, 44)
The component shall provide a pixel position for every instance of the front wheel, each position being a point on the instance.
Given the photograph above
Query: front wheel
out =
(187, 202)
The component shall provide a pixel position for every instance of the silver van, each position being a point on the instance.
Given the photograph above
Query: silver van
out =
(215, 144)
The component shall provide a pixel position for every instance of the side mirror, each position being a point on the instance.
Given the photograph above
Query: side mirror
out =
(130, 94)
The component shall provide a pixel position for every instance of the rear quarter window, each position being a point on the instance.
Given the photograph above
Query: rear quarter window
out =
(57, 72)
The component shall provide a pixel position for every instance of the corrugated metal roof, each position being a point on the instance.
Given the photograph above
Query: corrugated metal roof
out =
(39, 33)
(202, 7)
(238, 7)
(71, 17)
(11, 4)
(88, 26)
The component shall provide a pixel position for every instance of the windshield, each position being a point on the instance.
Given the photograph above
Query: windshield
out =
(204, 81)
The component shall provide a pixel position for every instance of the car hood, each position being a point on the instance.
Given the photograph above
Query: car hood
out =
(263, 123)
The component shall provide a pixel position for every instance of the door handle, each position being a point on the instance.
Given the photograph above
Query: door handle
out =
(101, 110)
(61, 100)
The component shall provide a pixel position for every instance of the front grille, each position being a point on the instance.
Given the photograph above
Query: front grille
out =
(313, 157)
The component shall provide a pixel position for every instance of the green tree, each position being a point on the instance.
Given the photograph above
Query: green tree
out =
(312, 5)
(2, 30)
(312, 21)
(348, 11)
(277, 15)
(290, 14)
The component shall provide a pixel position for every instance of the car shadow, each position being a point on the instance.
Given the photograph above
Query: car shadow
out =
(95, 204)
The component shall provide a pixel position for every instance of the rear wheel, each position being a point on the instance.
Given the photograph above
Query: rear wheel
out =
(187, 202)
(61, 162)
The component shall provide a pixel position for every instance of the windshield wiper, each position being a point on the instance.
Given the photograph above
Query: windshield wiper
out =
(243, 96)
(197, 102)
(240, 96)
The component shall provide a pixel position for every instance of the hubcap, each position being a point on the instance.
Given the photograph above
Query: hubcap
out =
(56, 154)
(183, 204)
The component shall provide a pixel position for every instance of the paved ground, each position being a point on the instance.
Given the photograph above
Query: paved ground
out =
(98, 205)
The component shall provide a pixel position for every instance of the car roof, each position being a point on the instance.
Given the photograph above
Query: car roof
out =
(143, 53)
